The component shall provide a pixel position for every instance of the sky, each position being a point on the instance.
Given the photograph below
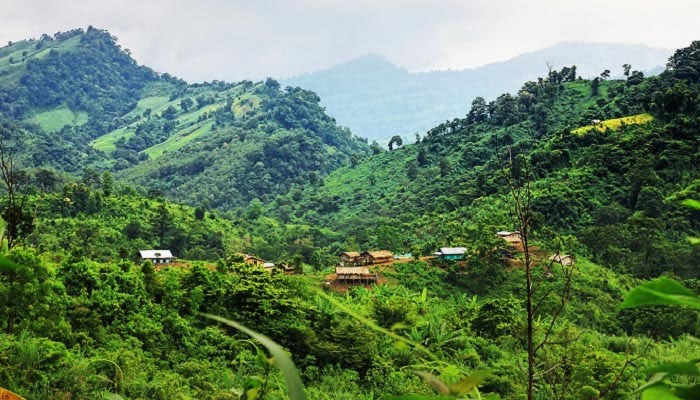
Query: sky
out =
(232, 40)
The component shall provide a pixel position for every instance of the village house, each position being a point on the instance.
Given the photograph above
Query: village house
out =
(350, 258)
(377, 257)
(451, 253)
(248, 259)
(157, 256)
(512, 238)
(563, 259)
(355, 275)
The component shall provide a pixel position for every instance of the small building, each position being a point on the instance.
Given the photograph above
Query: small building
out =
(451, 253)
(377, 257)
(350, 258)
(563, 259)
(513, 238)
(406, 256)
(248, 259)
(355, 275)
(157, 256)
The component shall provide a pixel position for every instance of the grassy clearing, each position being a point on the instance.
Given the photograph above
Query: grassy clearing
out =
(245, 103)
(55, 119)
(25, 50)
(107, 142)
(615, 123)
(178, 140)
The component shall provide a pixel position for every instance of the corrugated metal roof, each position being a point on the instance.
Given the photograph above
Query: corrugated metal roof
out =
(453, 250)
(155, 254)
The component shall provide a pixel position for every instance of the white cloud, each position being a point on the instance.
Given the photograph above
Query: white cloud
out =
(237, 39)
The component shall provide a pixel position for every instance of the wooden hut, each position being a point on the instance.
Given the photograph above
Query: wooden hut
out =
(512, 238)
(377, 257)
(350, 258)
(248, 259)
(355, 275)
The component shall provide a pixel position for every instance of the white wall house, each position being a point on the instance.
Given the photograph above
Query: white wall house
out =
(157, 256)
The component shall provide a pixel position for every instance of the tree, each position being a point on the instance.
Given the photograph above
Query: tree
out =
(162, 224)
(19, 222)
(444, 167)
(518, 178)
(422, 157)
(169, 113)
(595, 86)
(91, 178)
(685, 62)
(107, 184)
(395, 140)
(199, 213)
(605, 74)
(479, 111)
(186, 103)
(46, 179)
(626, 69)
(147, 113)
(375, 147)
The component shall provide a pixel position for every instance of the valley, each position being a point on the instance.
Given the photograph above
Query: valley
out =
(155, 229)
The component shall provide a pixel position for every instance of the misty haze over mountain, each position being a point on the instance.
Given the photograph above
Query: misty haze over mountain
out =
(377, 99)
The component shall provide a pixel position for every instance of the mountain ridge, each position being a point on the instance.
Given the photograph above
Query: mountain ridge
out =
(390, 100)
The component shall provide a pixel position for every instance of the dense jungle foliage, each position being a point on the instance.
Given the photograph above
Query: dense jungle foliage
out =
(268, 173)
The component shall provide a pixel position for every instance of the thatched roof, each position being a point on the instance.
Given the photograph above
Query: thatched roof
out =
(352, 270)
(379, 254)
(351, 254)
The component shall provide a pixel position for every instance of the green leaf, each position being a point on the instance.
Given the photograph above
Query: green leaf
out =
(111, 396)
(691, 203)
(653, 381)
(661, 291)
(694, 240)
(688, 393)
(468, 384)
(295, 387)
(374, 326)
(659, 392)
(424, 295)
(677, 368)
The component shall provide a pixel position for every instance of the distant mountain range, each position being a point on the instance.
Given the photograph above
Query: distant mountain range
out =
(377, 99)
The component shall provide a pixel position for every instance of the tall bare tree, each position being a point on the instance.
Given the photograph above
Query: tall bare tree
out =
(518, 178)
(17, 221)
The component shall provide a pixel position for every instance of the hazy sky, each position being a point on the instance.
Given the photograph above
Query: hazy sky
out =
(239, 39)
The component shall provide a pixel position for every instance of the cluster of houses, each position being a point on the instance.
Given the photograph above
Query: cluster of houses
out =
(352, 268)
(354, 259)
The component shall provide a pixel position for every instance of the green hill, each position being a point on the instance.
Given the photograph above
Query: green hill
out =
(78, 100)
(615, 191)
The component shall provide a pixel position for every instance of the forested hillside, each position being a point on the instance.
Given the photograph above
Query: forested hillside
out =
(377, 99)
(613, 189)
(78, 100)
(91, 172)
